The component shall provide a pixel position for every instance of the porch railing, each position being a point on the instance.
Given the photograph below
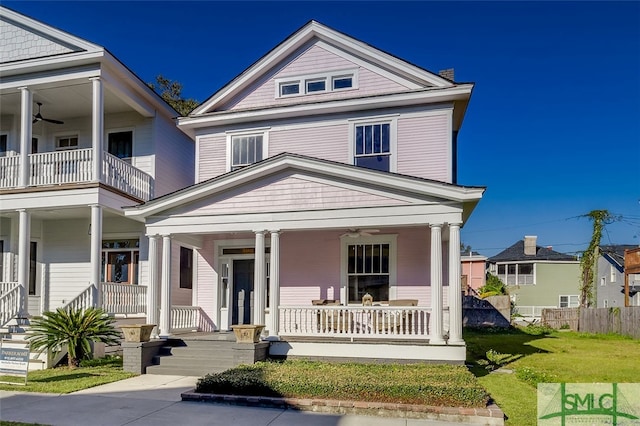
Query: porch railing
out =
(76, 166)
(533, 312)
(10, 297)
(123, 176)
(9, 171)
(123, 298)
(395, 322)
(84, 300)
(190, 318)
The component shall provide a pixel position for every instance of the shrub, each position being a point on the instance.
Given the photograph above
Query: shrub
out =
(535, 329)
(533, 377)
(75, 329)
(492, 287)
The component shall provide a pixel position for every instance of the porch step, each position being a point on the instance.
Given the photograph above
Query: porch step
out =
(195, 357)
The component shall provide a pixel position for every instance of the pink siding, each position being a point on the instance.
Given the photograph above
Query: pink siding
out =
(311, 60)
(310, 267)
(474, 269)
(212, 156)
(179, 296)
(206, 278)
(286, 193)
(423, 147)
(326, 142)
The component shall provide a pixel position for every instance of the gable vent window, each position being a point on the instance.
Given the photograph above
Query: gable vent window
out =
(316, 83)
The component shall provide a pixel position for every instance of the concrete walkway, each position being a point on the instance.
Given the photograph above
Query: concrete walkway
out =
(155, 400)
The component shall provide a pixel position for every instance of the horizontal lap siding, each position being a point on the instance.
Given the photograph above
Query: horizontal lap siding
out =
(311, 60)
(179, 296)
(287, 194)
(174, 159)
(211, 156)
(327, 142)
(423, 147)
(206, 278)
(309, 267)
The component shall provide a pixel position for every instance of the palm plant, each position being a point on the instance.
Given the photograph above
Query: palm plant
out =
(75, 328)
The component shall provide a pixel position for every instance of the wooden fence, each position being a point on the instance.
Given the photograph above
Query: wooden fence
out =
(619, 320)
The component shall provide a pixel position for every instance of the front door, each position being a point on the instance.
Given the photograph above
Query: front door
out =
(242, 291)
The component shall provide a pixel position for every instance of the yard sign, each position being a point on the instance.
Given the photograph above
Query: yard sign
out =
(14, 359)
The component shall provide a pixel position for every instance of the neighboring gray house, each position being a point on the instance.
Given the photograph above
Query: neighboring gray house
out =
(537, 277)
(610, 289)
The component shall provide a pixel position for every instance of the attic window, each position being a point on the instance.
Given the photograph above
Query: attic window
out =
(317, 83)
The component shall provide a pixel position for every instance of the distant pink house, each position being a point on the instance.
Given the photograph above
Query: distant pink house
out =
(474, 271)
(325, 172)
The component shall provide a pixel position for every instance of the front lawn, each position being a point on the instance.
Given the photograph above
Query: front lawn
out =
(539, 356)
(426, 384)
(65, 380)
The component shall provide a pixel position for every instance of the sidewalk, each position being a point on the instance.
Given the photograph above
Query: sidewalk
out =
(155, 400)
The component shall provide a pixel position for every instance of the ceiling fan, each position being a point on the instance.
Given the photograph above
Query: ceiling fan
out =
(38, 117)
(355, 233)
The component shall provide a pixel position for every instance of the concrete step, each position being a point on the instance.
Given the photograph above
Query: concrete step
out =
(200, 352)
(170, 361)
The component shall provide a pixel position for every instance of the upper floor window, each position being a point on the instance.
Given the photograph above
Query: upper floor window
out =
(613, 274)
(120, 144)
(67, 142)
(246, 149)
(316, 83)
(517, 273)
(373, 146)
(3, 145)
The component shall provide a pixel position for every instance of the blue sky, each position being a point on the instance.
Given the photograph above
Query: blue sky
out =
(553, 127)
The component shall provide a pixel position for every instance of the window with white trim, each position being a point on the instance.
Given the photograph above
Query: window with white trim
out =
(569, 301)
(613, 274)
(517, 273)
(67, 142)
(246, 150)
(3, 145)
(372, 146)
(120, 144)
(368, 271)
(316, 83)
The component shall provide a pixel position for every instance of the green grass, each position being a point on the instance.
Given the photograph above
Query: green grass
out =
(7, 423)
(428, 384)
(551, 357)
(65, 380)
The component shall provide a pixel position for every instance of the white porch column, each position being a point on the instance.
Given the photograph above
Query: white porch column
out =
(259, 280)
(165, 292)
(26, 115)
(274, 284)
(97, 128)
(95, 250)
(435, 331)
(455, 286)
(24, 239)
(152, 288)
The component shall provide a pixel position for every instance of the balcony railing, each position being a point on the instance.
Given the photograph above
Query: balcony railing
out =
(76, 166)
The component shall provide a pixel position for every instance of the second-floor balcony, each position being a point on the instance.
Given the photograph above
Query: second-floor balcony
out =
(75, 166)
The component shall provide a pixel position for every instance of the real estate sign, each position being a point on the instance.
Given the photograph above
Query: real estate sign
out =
(14, 359)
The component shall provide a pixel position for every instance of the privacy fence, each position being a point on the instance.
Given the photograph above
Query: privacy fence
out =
(620, 320)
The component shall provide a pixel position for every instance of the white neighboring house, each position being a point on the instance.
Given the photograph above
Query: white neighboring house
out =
(610, 289)
(81, 136)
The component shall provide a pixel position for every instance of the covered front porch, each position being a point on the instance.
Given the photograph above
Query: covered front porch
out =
(371, 268)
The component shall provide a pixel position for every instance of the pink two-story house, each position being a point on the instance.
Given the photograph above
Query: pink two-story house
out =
(325, 206)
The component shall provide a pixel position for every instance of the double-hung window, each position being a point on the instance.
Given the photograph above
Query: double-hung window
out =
(246, 148)
(570, 301)
(369, 267)
(372, 146)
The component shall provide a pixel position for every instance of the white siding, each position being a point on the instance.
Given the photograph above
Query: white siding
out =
(175, 158)
(207, 278)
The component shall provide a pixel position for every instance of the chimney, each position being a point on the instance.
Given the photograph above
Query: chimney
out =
(448, 74)
(530, 245)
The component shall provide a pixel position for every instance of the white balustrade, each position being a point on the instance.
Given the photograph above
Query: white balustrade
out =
(190, 318)
(531, 312)
(84, 300)
(123, 176)
(9, 171)
(57, 167)
(123, 298)
(410, 322)
(10, 298)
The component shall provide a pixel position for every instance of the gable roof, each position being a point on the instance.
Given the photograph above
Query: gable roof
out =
(516, 253)
(614, 254)
(391, 182)
(313, 29)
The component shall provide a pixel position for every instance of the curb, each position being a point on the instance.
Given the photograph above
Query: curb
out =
(491, 415)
